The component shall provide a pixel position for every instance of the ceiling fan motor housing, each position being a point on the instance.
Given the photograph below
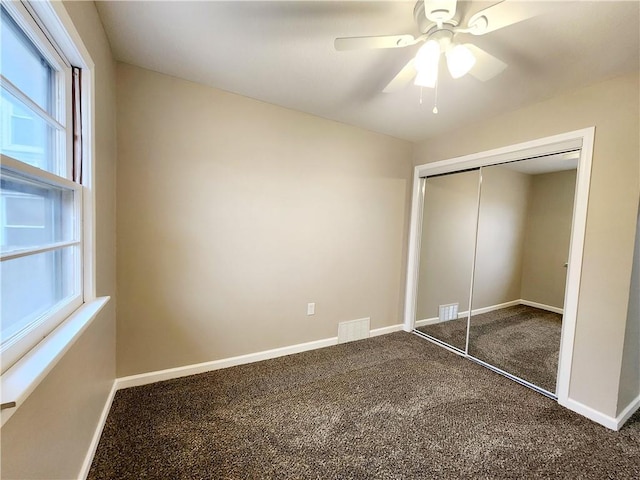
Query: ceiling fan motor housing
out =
(443, 36)
(439, 15)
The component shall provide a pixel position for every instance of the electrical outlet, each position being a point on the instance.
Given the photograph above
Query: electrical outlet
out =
(311, 308)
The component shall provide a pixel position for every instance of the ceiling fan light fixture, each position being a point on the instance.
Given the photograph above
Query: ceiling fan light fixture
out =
(459, 61)
(427, 78)
(427, 57)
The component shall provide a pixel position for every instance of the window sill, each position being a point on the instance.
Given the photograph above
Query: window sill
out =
(17, 383)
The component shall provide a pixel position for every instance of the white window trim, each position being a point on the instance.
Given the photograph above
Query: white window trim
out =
(54, 19)
(42, 323)
(63, 109)
(21, 379)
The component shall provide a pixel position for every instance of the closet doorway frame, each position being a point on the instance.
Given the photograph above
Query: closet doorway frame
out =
(578, 139)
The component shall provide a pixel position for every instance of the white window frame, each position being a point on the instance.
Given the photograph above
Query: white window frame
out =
(53, 27)
(23, 340)
(62, 105)
(27, 337)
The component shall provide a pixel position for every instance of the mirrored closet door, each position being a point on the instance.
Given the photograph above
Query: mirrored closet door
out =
(494, 249)
(447, 245)
(524, 230)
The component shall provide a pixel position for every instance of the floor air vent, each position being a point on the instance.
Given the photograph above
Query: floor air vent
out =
(448, 312)
(353, 330)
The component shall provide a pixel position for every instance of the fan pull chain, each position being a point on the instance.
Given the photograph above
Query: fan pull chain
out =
(420, 95)
(435, 99)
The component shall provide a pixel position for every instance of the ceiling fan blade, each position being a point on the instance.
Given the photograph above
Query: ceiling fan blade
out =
(403, 77)
(386, 41)
(487, 66)
(505, 13)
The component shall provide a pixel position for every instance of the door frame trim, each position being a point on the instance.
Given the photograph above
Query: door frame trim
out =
(582, 139)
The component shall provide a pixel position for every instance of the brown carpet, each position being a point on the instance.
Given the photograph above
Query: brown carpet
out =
(452, 332)
(391, 407)
(521, 340)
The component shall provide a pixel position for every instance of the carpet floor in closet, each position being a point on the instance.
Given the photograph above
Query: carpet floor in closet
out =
(521, 340)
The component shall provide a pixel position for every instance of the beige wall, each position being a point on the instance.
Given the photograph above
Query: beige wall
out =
(613, 108)
(233, 214)
(49, 435)
(501, 228)
(548, 232)
(630, 372)
(447, 242)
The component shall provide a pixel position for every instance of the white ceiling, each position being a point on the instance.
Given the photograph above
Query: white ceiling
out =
(282, 53)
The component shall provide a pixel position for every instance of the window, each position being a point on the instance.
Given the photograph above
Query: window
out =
(41, 249)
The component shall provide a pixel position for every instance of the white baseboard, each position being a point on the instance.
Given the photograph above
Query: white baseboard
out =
(491, 308)
(426, 321)
(476, 311)
(627, 412)
(384, 330)
(171, 373)
(93, 446)
(542, 306)
(598, 417)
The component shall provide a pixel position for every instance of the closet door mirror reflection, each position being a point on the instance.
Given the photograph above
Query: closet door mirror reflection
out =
(447, 246)
(524, 229)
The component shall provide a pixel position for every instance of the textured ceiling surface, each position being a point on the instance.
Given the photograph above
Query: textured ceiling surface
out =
(282, 52)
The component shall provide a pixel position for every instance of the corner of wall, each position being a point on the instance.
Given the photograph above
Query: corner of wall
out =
(629, 389)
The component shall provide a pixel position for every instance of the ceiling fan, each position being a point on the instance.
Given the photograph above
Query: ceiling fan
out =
(439, 23)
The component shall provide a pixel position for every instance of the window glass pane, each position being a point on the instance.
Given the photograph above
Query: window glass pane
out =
(32, 285)
(22, 64)
(37, 288)
(24, 135)
(33, 214)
